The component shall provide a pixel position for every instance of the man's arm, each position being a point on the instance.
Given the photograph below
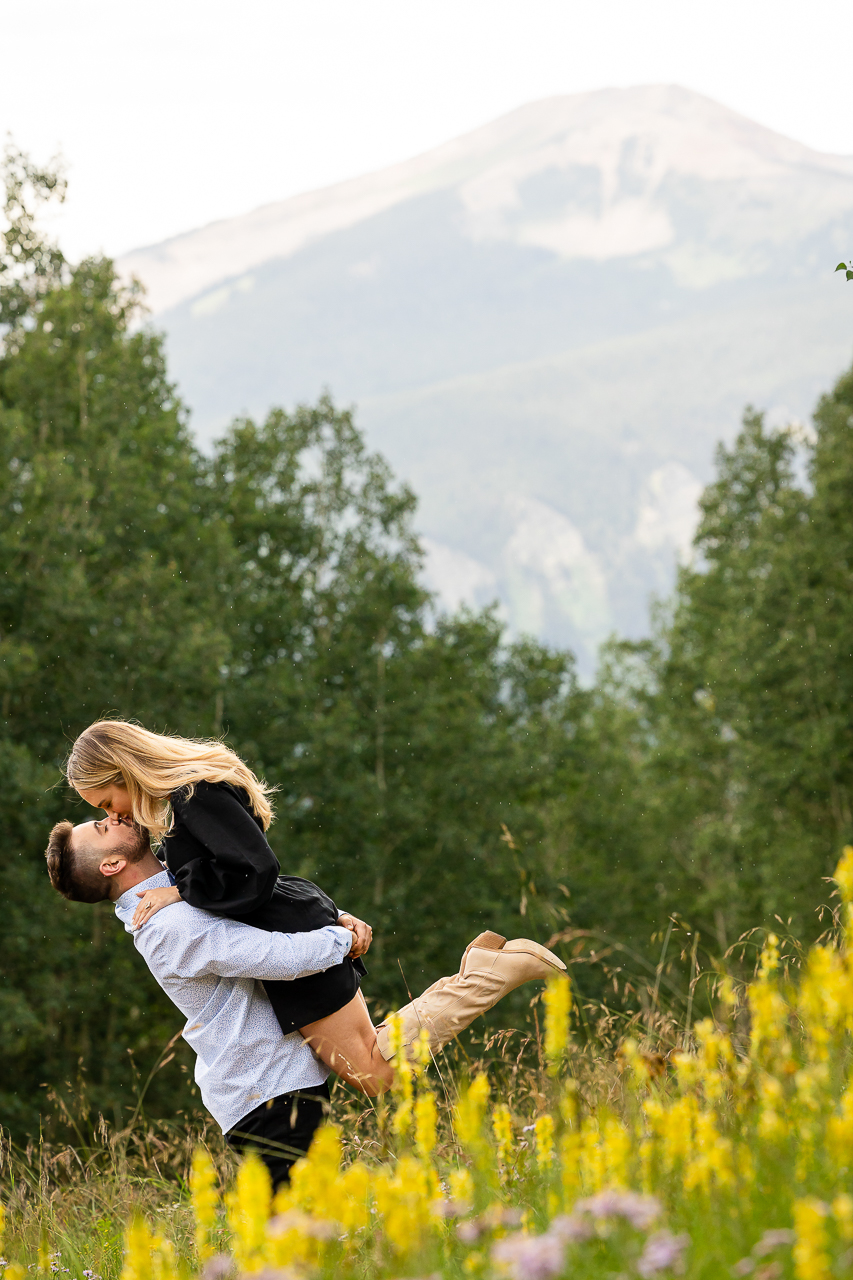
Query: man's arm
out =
(234, 950)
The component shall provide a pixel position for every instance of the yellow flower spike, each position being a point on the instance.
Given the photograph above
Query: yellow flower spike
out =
(249, 1211)
(462, 1186)
(403, 1086)
(425, 1125)
(469, 1112)
(843, 877)
(769, 961)
(137, 1251)
(544, 1132)
(43, 1263)
(769, 1014)
(570, 1144)
(421, 1052)
(205, 1201)
(163, 1259)
(404, 1197)
(771, 1098)
(569, 1101)
(15, 1271)
(842, 1211)
(354, 1206)
(811, 1256)
(502, 1129)
(558, 1003)
(394, 1023)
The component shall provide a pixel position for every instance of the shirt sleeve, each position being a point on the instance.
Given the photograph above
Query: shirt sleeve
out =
(239, 871)
(230, 949)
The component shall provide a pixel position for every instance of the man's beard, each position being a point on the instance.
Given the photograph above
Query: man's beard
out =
(136, 841)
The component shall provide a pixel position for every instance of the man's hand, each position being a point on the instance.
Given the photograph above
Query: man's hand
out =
(362, 934)
(154, 900)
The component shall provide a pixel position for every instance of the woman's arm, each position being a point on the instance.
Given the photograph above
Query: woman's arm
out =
(238, 870)
(154, 900)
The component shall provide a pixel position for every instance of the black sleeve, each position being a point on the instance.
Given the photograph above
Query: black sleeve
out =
(238, 871)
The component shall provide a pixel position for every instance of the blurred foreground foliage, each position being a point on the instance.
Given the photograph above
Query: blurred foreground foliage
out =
(434, 777)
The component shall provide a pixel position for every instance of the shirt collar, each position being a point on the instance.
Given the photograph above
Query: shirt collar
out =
(129, 900)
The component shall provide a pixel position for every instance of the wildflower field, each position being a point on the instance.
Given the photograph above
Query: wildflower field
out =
(727, 1153)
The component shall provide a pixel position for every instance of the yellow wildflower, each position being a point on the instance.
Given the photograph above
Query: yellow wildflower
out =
(502, 1129)
(558, 1003)
(249, 1211)
(811, 1259)
(469, 1112)
(137, 1252)
(769, 961)
(842, 1211)
(839, 1130)
(771, 1099)
(425, 1123)
(204, 1201)
(844, 879)
(404, 1196)
(353, 1205)
(462, 1186)
(544, 1131)
(570, 1144)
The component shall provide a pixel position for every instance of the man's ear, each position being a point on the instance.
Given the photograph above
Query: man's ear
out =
(112, 865)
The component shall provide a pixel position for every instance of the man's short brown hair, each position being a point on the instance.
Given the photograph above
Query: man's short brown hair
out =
(74, 873)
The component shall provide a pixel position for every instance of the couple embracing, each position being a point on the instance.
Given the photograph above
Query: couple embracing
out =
(264, 967)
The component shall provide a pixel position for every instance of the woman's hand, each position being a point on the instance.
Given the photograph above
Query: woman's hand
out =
(362, 934)
(153, 900)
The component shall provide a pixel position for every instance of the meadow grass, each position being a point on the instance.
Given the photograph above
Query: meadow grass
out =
(720, 1147)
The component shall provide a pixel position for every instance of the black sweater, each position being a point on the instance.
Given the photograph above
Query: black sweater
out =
(217, 851)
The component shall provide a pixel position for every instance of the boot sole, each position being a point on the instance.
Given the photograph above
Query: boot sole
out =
(526, 946)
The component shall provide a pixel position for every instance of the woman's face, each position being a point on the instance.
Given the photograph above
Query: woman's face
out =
(113, 799)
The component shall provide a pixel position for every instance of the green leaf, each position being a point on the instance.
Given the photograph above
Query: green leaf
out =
(842, 266)
(850, 275)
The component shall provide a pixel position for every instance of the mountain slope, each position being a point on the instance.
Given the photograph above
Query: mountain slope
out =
(545, 324)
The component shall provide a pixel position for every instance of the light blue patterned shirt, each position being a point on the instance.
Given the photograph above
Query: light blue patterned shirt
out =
(211, 969)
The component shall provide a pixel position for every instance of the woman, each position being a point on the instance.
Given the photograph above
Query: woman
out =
(209, 812)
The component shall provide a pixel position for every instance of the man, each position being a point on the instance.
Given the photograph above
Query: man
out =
(264, 1088)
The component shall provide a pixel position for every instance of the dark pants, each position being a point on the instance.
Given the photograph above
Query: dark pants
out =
(281, 1130)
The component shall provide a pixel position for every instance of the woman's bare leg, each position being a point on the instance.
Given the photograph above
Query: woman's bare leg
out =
(346, 1042)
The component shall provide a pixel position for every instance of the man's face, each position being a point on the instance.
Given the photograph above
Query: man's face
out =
(112, 841)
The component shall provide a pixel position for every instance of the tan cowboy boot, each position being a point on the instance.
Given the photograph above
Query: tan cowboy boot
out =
(491, 967)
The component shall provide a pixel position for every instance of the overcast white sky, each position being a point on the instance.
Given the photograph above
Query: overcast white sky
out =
(173, 113)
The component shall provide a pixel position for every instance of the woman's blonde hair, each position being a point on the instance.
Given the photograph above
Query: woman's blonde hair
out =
(153, 765)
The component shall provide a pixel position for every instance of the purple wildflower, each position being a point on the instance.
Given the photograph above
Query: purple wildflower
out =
(663, 1252)
(470, 1232)
(530, 1257)
(217, 1267)
(451, 1208)
(570, 1229)
(743, 1268)
(639, 1211)
(279, 1273)
(773, 1240)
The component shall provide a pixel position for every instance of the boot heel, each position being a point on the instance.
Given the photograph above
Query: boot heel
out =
(489, 941)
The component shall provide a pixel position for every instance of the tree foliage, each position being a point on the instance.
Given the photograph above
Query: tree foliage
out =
(434, 777)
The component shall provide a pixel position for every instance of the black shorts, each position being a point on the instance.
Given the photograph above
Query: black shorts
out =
(281, 1130)
(298, 906)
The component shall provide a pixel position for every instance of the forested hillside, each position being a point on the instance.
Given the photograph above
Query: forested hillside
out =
(434, 778)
